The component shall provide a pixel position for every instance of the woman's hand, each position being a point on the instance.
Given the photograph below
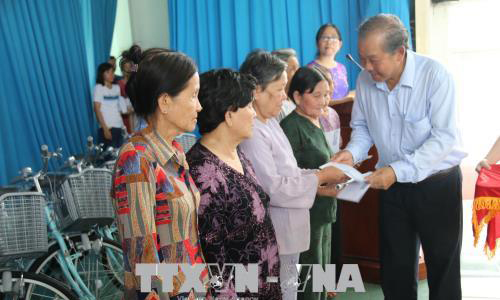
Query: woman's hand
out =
(492, 158)
(483, 164)
(328, 190)
(331, 175)
(331, 294)
(107, 134)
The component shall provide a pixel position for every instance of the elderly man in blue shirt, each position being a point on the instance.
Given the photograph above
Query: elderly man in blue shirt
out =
(405, 105)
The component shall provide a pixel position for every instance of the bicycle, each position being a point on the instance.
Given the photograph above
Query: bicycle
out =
(30, 286)
(23, 235)
(80, 205)
(81, 260)
(96, 158)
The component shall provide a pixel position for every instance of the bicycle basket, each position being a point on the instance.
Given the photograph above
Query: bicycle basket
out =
(23, 227)
(84, 200)
(110, 165)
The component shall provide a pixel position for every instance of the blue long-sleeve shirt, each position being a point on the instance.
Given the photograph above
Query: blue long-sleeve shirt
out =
(413, 125)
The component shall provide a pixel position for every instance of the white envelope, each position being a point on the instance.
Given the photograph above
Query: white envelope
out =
(355, 188)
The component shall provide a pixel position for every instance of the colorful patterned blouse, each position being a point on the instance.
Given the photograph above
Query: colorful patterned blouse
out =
(156, 202)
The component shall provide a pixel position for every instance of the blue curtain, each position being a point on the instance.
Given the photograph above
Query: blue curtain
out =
(44, 84)
(98, 25)
(221, 33)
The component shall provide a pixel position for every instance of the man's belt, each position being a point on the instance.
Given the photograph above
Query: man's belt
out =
(434, 177)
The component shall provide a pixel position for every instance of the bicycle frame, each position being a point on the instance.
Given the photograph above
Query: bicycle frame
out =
(65, 260)
(66, 255)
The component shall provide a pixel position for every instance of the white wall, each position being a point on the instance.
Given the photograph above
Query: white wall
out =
(140, 22)
(149, 20)
(122, 35)
(463, 35)
(473, 58)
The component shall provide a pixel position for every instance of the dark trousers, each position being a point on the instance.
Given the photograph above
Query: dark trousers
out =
(430, 213)
(116, 138)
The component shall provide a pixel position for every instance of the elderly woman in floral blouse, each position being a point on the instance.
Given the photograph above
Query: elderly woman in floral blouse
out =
(154, 196)
(234, 221)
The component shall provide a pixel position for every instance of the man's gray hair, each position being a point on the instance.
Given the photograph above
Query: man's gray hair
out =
(285, 53)
(395, 33)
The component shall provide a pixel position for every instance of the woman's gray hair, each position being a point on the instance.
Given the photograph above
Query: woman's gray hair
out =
(285, 53)
(395, 33)
(264, 66)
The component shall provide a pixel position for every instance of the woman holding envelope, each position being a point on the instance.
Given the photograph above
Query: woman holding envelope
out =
(310, 91)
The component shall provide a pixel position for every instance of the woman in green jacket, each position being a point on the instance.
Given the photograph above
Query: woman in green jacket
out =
(310, 92)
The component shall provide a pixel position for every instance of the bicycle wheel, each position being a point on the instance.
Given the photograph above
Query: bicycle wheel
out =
(101, 271)
(36, 287)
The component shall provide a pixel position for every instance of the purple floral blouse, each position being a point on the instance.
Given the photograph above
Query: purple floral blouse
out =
(233, 219)
(339, 76)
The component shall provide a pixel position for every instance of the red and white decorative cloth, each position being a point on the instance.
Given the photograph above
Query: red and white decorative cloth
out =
(486, 210)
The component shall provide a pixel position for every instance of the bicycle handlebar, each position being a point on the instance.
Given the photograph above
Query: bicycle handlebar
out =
(44, 149)
(90, 142)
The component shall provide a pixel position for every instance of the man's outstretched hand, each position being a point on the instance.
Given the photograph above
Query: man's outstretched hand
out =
(382, 178)
(343, 157)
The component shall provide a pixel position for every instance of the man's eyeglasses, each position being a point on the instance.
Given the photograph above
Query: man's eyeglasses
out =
(329, 38)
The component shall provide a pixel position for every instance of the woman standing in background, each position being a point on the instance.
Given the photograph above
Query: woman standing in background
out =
(329, 43)
(126, 66)
(329, 119)
(288, 56)
(108, 106)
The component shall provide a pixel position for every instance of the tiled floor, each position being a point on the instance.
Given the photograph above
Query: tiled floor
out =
(480, 276)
